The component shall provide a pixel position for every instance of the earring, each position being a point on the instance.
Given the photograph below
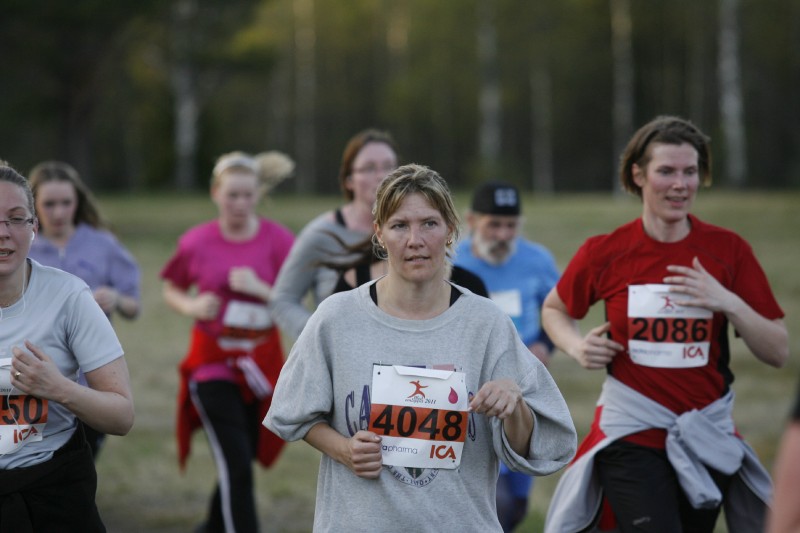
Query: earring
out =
(450, 241)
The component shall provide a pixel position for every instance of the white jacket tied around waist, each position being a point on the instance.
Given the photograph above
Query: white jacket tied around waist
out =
(695, 439)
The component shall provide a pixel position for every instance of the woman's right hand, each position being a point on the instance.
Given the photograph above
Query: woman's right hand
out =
(363, 455)
(205, 306)
(596, 350)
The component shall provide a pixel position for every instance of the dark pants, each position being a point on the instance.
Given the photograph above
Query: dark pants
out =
(232, 430)
(645, 494)
(511, 508)
(95, 439)
(57, 495)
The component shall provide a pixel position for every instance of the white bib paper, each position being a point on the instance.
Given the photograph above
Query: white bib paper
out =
(244, 324)
(247, 315)
(509, 301)
(420, 414)
(664, 334)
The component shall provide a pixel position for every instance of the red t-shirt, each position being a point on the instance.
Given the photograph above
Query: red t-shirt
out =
(606, 266)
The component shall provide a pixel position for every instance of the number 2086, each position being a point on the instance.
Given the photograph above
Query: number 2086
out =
(678, 330)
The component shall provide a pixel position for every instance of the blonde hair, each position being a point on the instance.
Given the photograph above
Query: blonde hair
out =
(410, 179)
(271, 168)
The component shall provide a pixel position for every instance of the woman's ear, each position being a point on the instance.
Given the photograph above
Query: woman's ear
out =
(638, 175)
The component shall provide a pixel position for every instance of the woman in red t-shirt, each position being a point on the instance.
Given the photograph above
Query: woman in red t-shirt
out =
(670, 284)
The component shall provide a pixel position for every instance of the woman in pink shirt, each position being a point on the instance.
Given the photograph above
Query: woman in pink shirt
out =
(221, 275)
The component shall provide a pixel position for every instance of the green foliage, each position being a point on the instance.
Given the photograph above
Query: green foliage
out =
(92, 82)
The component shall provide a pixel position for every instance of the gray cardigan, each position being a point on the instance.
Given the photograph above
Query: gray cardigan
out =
(301, 271)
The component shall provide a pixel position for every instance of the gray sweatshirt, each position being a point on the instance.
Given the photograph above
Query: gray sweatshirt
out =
(327, 378)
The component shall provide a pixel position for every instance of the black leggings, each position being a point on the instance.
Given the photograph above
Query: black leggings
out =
(232, 430)
(57, 495)
(645, 494)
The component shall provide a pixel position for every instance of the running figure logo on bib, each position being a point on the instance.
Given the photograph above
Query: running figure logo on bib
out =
(22, 417)
(420, 414)
(664, 334)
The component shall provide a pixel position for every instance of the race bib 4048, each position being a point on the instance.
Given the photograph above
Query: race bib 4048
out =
(420, 414)
(664, 334)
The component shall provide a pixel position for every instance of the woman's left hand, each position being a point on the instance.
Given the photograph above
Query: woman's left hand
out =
(702, 288)
(497, 398)
(503, 398)
(768, 339)
(34, 373)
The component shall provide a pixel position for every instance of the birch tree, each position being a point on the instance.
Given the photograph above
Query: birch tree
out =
(731, 101)
(542, 128)
(305, 95)
(489, 91)
(622, 61)
(184, 90)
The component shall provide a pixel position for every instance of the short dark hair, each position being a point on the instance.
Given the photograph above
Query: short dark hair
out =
(663, 129)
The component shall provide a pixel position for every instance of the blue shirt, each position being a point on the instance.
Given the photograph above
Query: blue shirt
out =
(518, 286)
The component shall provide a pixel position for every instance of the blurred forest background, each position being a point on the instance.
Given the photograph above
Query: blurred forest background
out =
(143, 95)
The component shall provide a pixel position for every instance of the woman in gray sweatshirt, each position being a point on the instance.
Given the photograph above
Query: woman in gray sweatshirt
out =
(414, 388)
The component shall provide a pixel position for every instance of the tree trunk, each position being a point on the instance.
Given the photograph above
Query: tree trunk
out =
(77, 132)
(622, 57)
(542, 127)
(731, 103)
(489, 99)
(397, 36)
(184, 92)
(305, 95)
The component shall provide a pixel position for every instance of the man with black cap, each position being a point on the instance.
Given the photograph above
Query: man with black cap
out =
(518, 274)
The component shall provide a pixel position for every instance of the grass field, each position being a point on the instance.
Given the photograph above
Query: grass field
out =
(140, 486)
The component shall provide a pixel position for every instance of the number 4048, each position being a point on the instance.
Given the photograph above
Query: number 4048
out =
(417, 422)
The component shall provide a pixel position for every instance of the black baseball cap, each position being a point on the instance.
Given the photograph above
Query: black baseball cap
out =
(496, 198)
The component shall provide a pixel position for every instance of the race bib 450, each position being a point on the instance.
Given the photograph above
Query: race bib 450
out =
(22, 420)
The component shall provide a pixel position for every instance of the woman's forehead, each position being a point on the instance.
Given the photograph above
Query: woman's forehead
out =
(415, 204)
(12, 197)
